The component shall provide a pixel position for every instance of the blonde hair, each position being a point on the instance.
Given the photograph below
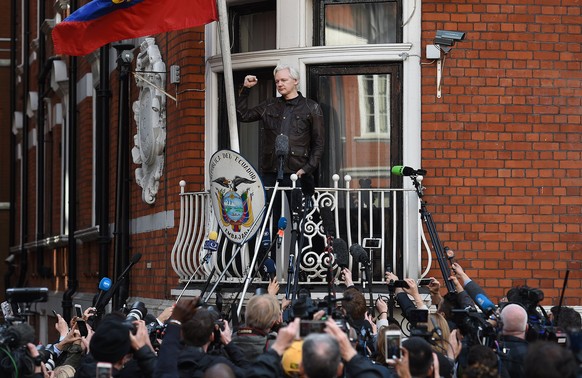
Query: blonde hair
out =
(262, 312)
(442, 343)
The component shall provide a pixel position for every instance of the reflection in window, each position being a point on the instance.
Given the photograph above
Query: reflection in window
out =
(359, 23)
(374, 105)
(359, 120)
(254, 27)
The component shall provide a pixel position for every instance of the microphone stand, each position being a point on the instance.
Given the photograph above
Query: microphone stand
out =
(258, 246)
(233, 257)
(330, 291)
(306, 209)
(100, 306)
(204, 261)
(294, 234)
(253, 274)
(434, 238)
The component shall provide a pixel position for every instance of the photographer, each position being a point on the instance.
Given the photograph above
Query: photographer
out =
(199, 333)
(261, 315)
(131, 355)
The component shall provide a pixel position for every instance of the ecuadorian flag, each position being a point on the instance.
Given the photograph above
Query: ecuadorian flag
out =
(102, 21)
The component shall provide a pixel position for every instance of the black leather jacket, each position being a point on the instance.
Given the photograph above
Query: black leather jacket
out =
(306, 131)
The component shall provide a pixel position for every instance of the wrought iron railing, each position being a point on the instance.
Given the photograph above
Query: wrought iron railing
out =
(358, 214)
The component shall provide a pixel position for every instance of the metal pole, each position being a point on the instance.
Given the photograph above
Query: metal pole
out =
(228, 79)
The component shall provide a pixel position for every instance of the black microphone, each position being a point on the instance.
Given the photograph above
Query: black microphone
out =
(401, 170)
(17, 335)
(307, 185)
(359, 254)
(327, 221)
(340, 249)
(281, 150)
(282, 225)
(269, 268)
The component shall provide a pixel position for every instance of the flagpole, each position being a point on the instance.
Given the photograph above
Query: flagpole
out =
(228, 79)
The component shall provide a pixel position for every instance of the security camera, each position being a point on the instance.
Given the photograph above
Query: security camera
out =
(443, 41)
(453, 35)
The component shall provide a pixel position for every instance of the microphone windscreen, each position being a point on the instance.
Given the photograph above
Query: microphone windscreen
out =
(105, 283)
(282, 224)
(327, 221)
(20, 334)
(135, 258)
(358, 253)
(484, 303)
(401, 170)
(270, 266)
(307, 185)
(282, 145)
(340, 249)
(266, 241)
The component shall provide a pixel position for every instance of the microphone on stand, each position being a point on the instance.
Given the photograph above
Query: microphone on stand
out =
(340, 249)
(210, 245)
(281, 150)
(401, 170)
(104, 286)
(282, 225)
(269, 268)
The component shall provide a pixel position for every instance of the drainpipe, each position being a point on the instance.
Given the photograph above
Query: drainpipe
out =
(72, 282)
(124, 59)
(102, 161)
(40, 127)
(24, 189)
(12, 188)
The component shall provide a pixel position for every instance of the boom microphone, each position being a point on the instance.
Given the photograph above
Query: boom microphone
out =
(327, 221)
(17, 335)
(484, 304)
(340, 249)
(281, 150)
(401, 170)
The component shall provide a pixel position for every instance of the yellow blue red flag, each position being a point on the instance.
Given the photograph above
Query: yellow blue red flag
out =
(102, 21)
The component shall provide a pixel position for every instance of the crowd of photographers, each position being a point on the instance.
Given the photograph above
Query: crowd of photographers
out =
(460, 334)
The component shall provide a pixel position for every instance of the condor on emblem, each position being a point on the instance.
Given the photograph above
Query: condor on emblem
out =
(238, 195)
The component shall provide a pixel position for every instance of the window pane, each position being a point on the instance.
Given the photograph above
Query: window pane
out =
(361, 23)
(254, 27)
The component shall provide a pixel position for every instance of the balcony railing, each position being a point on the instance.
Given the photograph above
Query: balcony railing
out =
(360, 215)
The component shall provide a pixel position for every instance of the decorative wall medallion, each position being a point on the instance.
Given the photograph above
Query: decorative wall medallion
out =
(150, 116)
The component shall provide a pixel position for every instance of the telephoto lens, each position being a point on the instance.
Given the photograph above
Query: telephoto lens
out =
(138, 311)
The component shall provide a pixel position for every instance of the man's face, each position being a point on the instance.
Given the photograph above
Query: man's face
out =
(286, 85)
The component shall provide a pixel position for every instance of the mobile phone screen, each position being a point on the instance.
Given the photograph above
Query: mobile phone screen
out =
(103, 370)
(311, 326)
(392, 345)
(78, 310)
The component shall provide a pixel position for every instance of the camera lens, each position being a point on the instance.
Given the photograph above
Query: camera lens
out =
(138, 311)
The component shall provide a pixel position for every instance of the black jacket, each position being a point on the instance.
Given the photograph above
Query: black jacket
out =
(305, 131)
(192, 361)
(512, 351)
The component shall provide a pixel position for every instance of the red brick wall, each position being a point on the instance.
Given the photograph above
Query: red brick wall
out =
(502, 145)
(184, 161)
